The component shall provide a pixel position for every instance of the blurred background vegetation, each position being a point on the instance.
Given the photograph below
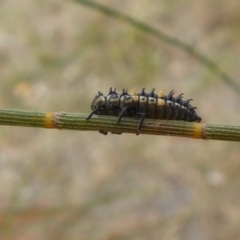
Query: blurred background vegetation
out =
(54, 56)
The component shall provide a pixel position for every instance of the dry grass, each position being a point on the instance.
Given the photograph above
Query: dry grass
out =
(56, 55)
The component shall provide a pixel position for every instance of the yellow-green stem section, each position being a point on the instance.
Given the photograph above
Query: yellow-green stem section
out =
(48, 120)
(77, 121)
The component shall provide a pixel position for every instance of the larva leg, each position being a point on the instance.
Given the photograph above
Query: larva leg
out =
(91, 114)
(121, 114)
(142, 115)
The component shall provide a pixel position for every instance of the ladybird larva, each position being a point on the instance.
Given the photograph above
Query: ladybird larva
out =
(143, 105)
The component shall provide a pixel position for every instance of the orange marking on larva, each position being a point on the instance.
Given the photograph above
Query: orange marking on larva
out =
(197, 131)
(161, 93)
(135, 98)
(133, 91)
(161, 102)
(48, 120)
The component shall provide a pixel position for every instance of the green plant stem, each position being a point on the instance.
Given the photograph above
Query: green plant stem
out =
(165, 38)
(77, 121)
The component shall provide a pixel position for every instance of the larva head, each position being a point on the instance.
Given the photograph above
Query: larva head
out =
(98, 103)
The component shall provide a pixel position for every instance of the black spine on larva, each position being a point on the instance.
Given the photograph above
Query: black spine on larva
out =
(144, 105)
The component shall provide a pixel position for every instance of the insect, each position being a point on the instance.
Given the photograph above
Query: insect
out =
(143, 105)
